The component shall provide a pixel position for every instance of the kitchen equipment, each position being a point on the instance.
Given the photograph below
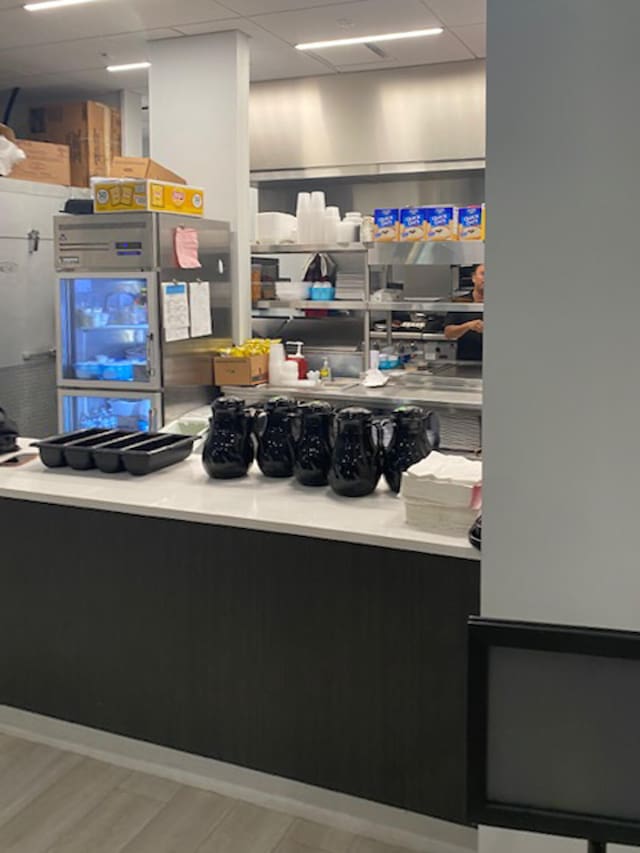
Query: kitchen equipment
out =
(313, 446)
(276, 446)
(414, 434)
(112, 308)
(356, 465)
(228, 451)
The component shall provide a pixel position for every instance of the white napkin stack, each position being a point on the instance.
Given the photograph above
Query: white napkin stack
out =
(443, 494)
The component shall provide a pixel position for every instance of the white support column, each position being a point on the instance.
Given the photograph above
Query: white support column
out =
(199, 128)
(562, 410)
(131, 115)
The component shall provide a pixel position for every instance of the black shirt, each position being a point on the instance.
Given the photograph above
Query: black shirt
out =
(470, 344)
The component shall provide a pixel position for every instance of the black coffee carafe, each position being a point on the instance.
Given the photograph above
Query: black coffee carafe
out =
(228, 451)
(415, 434)
(313, 445)
(356, 465)
(274, 430)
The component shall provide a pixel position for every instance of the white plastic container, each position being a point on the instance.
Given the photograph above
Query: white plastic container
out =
(275, 228)
(287, 290)
(331, 223)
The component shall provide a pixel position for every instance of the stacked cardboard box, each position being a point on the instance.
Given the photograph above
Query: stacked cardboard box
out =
(91, 130)
(46, 163)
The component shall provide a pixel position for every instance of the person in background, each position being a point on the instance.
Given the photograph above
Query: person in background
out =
(468, 328)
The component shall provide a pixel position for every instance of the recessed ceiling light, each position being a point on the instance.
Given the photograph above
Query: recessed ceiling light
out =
(53, 4)
(131, 66)
(413, 34)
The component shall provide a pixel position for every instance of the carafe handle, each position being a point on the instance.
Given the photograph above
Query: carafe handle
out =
(260, 423)
(432, 429)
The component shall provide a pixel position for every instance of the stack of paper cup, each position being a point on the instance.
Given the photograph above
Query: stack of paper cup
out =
(318, 206)
(277, 359)
(331, 222)
(303, 212)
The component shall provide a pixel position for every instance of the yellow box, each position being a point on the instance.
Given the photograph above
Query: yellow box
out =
(117, 196)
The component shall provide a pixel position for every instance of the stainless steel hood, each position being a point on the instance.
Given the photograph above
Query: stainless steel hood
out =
(409, 120)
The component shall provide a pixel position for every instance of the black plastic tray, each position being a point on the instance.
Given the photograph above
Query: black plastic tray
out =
(79, 455)
(52, 448)
(157, 452)
(108, 457)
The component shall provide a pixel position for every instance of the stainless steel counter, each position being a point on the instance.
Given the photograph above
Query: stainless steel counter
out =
(450, 394)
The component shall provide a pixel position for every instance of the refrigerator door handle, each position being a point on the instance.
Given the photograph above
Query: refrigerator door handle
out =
(150, 369)
(153, 420)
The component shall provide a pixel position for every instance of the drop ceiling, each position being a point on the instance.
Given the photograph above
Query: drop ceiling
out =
(65, 51)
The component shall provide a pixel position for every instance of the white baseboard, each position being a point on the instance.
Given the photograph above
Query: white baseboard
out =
(360, 817)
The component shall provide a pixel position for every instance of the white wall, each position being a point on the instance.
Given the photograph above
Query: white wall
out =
(199, 127)
(562, 358)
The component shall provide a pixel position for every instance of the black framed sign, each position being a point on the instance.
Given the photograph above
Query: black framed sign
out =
(553, 730)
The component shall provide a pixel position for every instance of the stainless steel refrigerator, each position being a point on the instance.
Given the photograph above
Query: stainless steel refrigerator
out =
(118, 363)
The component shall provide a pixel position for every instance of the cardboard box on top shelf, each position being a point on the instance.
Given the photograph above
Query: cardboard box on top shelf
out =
(85, 127)
(117, 195)
(116, 133)
(46, 163)
(251, 370)
(142, 168)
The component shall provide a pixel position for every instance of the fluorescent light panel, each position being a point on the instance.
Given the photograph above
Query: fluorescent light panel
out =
(412, 34)
(131, 66)
(53, 4)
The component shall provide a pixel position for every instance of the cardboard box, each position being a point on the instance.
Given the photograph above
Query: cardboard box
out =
(85, 127)
(116, 134)
(441, 223)
(387, 224)
(46, 163)
(413, 224)
(253, 370)
(116, 196)
(142, 168)
(471, 222)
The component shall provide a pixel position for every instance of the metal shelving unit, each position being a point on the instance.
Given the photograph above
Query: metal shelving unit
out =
(379, 255)
(277, 308)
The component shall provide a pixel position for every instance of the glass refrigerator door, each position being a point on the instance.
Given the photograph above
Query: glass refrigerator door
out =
(109, 411)
(107, 331)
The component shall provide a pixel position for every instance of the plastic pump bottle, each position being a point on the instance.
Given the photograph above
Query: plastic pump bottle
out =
(303, 365)
(325, 371)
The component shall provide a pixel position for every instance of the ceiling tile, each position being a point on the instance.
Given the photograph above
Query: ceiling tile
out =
(205, 27)
(475, 38)
(78, 55)
(421, 51)
(457, 13)
(109, 17)
(144, 14)
(260, 7)
(343, 20)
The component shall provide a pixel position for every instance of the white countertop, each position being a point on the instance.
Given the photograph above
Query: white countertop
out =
(185, 492)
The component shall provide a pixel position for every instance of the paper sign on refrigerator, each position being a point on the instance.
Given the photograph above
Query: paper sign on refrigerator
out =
(175, 311)
(200, 308)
